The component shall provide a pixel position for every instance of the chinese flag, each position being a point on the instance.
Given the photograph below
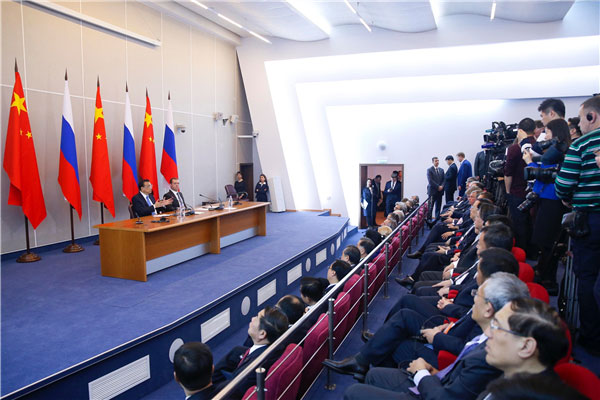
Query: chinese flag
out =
(20, 162)
(147, 154)
(100, 175)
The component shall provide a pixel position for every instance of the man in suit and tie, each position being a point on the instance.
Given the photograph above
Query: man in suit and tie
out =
(193, 368)
(143, 203)
(450, 179)
(175, 195)
(264, 329)
(393, 192)
(377, 196)
(435, 186)
(464, 172)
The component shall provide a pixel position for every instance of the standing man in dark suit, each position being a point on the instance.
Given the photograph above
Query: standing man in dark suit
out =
(377, 196)
(143, 203)
(435, 186)
(264, 329)
(193, 368)
(393, 191)
(175, 195)
(450, 179)
(464, 172)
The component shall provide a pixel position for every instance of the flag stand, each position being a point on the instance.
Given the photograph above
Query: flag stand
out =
(28, 256)
(73, 247)
(97, 242)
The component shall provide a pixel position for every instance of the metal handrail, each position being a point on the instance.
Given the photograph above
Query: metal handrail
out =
(251, 368)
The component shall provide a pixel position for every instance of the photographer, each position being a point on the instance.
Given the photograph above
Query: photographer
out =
(578, 184)
(547, 224)
(515, 183)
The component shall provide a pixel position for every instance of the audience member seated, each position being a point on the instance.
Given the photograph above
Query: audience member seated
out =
(311, 290)
(391, 223)
(365, 246)
(467, 376)
(193, 369)
(264, 329)
(143, 203)
(530, 386)
(336, 272)
(526, 336)
(175, 195)
(351, 255)
(394, 217)
(293, 308)
(384, 230)
(374, 235)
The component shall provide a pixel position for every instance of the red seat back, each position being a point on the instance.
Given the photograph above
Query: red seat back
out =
(445, 358)
(519, 254)
(283, 378)
(315, 351)
(579, 378)
(341, 309)
(537, 291)
(354, 286)
(526, 272)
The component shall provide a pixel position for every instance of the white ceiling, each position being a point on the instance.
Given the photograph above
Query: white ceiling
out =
(280, 20)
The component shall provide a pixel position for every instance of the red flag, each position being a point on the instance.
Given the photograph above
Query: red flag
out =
(20, 162)
(100, 175)
(147, 154)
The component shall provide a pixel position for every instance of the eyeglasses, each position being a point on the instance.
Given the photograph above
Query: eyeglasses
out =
(494, 326)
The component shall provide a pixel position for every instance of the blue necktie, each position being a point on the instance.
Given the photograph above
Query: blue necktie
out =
(150, 204)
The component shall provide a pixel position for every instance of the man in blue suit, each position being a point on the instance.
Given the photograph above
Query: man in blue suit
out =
(464, 172)
(393, 192)
(450, 179)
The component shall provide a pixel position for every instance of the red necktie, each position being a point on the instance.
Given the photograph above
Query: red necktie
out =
(244, 357)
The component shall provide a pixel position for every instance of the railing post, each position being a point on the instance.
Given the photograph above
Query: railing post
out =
(260, 383)
(387, 258)
(399, 269)
(410, 238)
(330, 313)
(366, 298)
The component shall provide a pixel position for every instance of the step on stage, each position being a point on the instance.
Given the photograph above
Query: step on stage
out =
(68, 330)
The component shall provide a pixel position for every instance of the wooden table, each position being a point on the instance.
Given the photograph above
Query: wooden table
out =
(133, 251)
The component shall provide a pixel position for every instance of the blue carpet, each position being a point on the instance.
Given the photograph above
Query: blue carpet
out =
(63, 309)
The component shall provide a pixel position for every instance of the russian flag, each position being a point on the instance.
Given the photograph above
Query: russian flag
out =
(68, 172)
(168, 164)
(130, 186)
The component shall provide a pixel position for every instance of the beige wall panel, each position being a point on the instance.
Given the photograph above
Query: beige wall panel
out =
(143, 20)
(225, 78)
(13, 225)
(203, 73)
(104, 56)
(11, 42)
(45, 115)
(177, 76)
(226, 155)
(184, 147)
(241, 107)
(112, 12)
(73, 5)
(52, 43)
(244, 146)
(205, 156)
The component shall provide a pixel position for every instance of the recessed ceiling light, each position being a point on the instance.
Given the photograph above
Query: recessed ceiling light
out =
(232, 22)
(362, 21)
(493, 14)
(199, 4)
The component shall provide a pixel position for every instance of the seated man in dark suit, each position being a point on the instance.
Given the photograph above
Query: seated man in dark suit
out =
(365, 246)
(351, 255)
(175, 195)
(264, 329)
(193, 368)
(526, 336)
(336, 272)
(293, 308)
(143, 203)
(464, 379)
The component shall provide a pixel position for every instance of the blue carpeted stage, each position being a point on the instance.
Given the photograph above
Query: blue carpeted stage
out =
(61, 312)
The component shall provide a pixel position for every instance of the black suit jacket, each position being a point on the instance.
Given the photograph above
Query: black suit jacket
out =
(395, 194)
(204, 394)
(175, 204)
(464, 330)
(469, 377)
(434, 180)
(141, 208)
(450, 178)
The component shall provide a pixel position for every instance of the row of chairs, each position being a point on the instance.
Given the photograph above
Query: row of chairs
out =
(297, 368)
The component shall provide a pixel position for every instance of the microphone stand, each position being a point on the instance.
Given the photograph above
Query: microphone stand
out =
(219, 207)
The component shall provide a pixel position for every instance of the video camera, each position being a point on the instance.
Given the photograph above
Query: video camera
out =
(496, 140)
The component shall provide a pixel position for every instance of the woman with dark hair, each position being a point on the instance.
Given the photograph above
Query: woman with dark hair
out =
(240, 186)
(262, 188)
(547, 225)
(368, 203)
(574, 129)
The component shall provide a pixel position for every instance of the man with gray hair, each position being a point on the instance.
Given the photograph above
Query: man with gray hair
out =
(468, 375)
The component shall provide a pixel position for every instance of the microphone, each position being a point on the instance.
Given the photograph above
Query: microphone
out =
(219, 207)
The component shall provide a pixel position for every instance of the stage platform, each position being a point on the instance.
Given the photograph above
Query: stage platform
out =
(62, 322)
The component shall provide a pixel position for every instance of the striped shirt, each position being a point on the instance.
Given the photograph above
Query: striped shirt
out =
(578, 181)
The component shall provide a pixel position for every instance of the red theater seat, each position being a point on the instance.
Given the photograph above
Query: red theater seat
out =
(283, 379)
(519, 254)
(354, 286)
(341, 308)
(580, 378)
(526, 272)
(445, 358)
(537, 291)
(315, 351)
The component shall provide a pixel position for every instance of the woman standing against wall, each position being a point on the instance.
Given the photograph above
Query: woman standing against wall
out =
(262, 188)
(368, 203)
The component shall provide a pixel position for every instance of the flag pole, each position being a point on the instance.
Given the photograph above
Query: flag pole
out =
(97, 242)
(73, 247)
(28, 256)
